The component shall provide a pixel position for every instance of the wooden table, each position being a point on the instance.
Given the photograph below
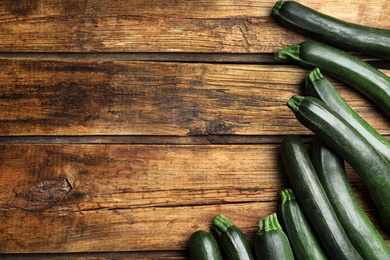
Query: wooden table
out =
(128, 125)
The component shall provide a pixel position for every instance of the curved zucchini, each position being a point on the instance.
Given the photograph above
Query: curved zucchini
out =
(314, 201)
(233, 241)
(360, 230)
(271, 242)
(344, 67)
(338, 33)
(202, 246)
(318, 86)
(334, 131)
(303, 241)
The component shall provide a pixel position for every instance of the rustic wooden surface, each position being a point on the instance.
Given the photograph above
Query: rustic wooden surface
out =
(161, 26)
(127, 125)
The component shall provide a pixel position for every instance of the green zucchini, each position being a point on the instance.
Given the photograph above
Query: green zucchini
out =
(344, 67)
(202, 246)
(334, 131)
(318, 86)
(271, 242)
(314, 201)
(233, 242)
(302, 238)
(360, 230)
(335, 32)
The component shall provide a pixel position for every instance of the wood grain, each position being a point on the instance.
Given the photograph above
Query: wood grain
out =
(99, 198)
(127, 125)
(129, 255)
(75, 98)
(162, 26)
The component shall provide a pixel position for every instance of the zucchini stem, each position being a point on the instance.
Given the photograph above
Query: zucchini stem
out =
(286, 195)
(269, 223)
(277, 6)
(315, 75)
(294, 102)
(222, 223)
(289, 53)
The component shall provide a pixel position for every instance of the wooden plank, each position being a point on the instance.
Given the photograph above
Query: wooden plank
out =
(61, 97)
(162, 26)
(138, 255)
(100, 198)
(120, 230)
(146, 175)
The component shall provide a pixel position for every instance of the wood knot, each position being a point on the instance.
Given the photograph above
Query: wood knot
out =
(46, 193)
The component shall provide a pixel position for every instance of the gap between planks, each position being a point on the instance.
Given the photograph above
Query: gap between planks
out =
(117, 139)
(226, 58)
(234, 58)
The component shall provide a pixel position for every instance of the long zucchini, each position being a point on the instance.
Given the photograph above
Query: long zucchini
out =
(233, 242)
(271, 242)
(338, 33)
(333, 130)
(318, 86)
(295, 224)
(360, 230)
(344, 67)
(202, 246)
(314, 201)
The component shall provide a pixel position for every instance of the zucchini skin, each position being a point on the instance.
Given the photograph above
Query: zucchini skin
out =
(319, 87)
(233, 242)
(302, 238)
(333, 31)
(202, 246)
(271, 242)
(334, 131)
(314, 201)
(345, 67)
(360, 230)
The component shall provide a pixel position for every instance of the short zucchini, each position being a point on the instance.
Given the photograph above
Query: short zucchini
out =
(318, 86)
(344, 67)
(295, 224)
(233, 242)
(314, 201)
(334, 131)
(271, 242)
(202, 246)
(335, 32)
(360, 230)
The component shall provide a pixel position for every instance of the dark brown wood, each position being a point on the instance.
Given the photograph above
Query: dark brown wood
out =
(82, 98)
(228, 58)
(127, 125)
(162, 26)
(138, 255)
(82, 198)
(99, 198)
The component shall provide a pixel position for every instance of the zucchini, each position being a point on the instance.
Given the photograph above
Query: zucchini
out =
(302, 238)
(233, 242)
(202, 246)
(271, 242)
(318, 86)
(334, 131)
(360, 230)
(333, 31)
(314, 201)
(347, 68)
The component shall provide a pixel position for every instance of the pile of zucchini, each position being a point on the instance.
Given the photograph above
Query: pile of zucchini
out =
(320, 217)
(270, 242)
(318, 176)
